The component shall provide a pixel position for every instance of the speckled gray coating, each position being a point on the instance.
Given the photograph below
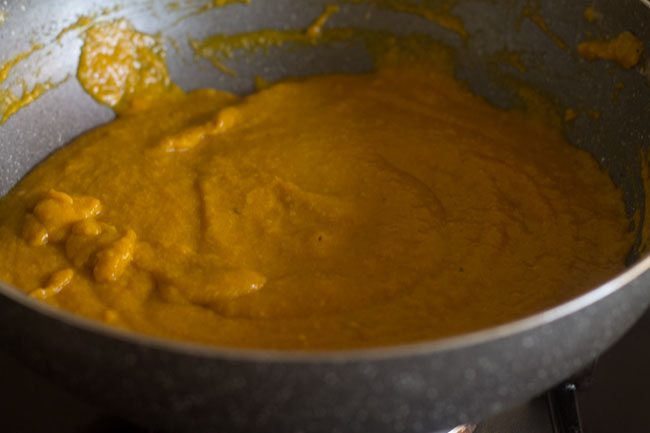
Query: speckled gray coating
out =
(417, 388)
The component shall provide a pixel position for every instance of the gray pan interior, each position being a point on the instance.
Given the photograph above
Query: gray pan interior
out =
(416, 388)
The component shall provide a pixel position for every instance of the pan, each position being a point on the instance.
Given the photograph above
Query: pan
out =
(423, 387)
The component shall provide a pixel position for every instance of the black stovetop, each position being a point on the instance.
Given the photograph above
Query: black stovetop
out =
(615, 401)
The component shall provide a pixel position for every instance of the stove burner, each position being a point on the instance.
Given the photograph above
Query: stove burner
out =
(464, 429)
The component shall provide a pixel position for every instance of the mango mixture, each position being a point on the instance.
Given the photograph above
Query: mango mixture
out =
(339, 211)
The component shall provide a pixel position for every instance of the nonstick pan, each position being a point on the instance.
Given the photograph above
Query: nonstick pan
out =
(421, 387)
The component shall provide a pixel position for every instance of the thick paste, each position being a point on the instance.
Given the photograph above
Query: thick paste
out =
(338, 211)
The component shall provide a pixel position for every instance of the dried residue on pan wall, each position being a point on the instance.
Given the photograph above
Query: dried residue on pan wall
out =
(15, 91)
(22, 80)
(23, 76)
(439, 12)
(219, 49)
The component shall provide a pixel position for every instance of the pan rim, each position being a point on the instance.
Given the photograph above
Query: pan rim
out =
(406, 350)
